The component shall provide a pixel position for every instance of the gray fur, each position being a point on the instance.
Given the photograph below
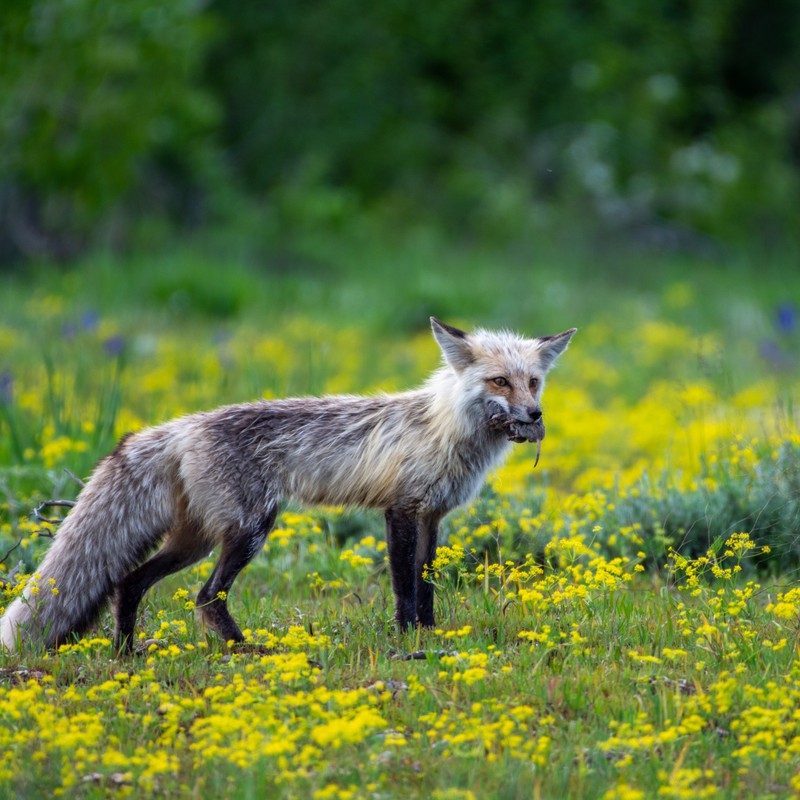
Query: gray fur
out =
(218, 478)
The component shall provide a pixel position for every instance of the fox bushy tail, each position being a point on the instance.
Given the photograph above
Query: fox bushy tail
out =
(124, 510)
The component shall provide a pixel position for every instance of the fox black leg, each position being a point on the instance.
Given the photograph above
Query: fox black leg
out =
(426, 552)
(401, 543)
(237, 552)
(181, 549)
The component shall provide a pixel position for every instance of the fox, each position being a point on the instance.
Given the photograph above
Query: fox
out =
(169, 495)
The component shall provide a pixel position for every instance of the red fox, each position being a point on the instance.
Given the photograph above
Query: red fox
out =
(219, 478)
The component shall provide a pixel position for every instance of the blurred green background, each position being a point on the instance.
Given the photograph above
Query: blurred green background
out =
(251, 127)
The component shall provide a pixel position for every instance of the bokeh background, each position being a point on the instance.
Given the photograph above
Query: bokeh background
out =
(663, 127)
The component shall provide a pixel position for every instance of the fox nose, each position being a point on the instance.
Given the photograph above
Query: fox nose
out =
(535, 413)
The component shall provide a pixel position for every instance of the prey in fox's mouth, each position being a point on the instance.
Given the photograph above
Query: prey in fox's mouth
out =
(516, 430)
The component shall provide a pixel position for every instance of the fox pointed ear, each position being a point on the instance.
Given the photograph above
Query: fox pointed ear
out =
(551, 347)
(454, 344)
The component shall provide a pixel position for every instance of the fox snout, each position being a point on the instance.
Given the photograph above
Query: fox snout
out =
(527, 415)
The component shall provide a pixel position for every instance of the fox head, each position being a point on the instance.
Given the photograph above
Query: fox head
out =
(501, 369)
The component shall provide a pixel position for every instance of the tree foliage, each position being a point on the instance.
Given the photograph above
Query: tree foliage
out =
(487, 113)
(99, 103)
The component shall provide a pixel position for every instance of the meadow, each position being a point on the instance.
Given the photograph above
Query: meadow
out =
(621, 622)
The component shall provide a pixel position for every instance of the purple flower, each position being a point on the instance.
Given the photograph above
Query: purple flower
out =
(786, 318)
(6, 387)
(114, 345)
(90, 320)
(774, 355)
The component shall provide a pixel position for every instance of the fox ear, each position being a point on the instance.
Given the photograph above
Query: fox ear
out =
(454, 344)
(551, 347)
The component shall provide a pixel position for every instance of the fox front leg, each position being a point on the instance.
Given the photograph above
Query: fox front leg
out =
(428, 533)
(401, 542)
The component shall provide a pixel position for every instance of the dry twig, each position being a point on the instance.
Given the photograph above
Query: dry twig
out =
(37, 512)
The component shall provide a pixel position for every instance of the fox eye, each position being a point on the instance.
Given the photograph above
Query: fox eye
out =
(500, 381)
(534, 383)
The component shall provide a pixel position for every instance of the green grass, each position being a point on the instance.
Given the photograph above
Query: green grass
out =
(578, 653)
(621, 683)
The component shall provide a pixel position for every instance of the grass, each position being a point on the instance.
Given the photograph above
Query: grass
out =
(619, 623)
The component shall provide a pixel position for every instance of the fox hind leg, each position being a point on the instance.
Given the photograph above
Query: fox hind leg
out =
(238, 550)
(182, 548)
